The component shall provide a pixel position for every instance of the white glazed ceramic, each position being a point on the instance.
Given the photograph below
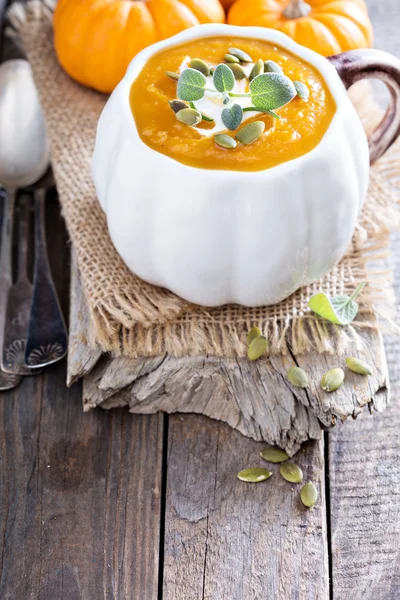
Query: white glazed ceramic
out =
(215, 237)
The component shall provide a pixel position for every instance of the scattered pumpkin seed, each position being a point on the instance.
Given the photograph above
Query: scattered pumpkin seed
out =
(302, 90)
(229, 58)
(291, 472)
(172, 75)
(199, 65)
(254, 475)
(274, 455)
(270, 66)
(309, 494)
(298, 377)
(257, 69)
(225, 141)
(257, 348)
(358, 366)
(251, 132)
(332, 380)
(253, 334)
(177, 105)
(203, 116)
(237, 71)
(242, 56)
(188, 116)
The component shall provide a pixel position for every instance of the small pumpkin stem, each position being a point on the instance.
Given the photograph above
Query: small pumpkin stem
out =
(297, 9)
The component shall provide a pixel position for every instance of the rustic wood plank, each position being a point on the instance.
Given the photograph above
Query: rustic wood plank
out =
(80, 496)
(81, 356)
(364, 457)
(225, 539)
(255, 398)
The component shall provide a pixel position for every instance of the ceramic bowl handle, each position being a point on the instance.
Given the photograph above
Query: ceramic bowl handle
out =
(374, 64)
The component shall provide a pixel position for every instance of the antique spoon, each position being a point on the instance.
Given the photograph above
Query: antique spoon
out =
(24, 157)
(47, 340)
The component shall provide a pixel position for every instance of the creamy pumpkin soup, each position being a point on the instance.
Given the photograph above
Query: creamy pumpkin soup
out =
(225, 103)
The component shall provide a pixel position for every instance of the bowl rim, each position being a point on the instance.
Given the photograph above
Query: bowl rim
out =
(324, 67)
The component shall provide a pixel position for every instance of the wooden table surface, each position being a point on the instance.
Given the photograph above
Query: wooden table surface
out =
(109, 505)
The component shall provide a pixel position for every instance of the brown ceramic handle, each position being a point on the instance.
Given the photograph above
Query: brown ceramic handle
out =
(374, 64)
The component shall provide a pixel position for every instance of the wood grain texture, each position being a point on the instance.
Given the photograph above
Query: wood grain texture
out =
(80, 497)
(225, 539)
(255, 398)
(364, 456)
(81, 357)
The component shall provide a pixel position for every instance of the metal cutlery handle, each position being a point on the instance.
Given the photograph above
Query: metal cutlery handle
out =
(47, 335)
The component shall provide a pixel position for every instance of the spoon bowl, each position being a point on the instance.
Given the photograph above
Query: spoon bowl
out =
(24, 148)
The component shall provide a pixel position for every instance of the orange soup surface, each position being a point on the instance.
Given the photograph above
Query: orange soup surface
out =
(301, 127)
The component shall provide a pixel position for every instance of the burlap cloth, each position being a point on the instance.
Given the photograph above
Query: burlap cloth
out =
(131, 317)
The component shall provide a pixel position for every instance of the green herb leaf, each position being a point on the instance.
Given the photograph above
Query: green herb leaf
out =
(341, 310)
(302, 90)
(271, 90)
(191, 85)
(271, 113)
(232, 116)
(223, 78)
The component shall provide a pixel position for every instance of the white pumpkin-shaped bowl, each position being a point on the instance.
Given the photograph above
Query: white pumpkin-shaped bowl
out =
(215, 237)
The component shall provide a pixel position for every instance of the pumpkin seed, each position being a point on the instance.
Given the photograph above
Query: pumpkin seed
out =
(177, 105)
(253, 334)
(199, 65)
(270, 66)
(254, 475)
(332, 380)
(251, 132)
(189, 116)
(274, 455)
(172, 75)
(358, 366)
(309, 494)
(229, 58)
(257, 69)
(291, 472)
(225, 141)
(237, 71)
(302, 90)
(298, 377)
(257, 348)
(242, 56)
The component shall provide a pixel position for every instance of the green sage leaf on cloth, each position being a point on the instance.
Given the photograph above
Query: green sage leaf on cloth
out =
(341, 310)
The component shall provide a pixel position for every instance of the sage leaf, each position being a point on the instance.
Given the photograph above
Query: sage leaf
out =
(191, 85)
(341, 310)
(271, 91)
(302, 90)
(223, 78)
(232, 116)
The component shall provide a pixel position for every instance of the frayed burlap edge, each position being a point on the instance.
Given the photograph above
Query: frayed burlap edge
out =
(192, 330)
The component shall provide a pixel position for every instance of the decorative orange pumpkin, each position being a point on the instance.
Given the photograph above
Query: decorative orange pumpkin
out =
(326, 26)
(227, 4)
(95, 40)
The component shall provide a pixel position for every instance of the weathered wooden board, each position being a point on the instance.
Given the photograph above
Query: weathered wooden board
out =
(254, 398)
(80, 497)
(225, 539)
